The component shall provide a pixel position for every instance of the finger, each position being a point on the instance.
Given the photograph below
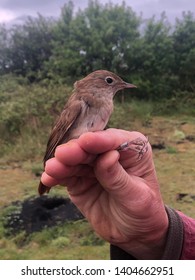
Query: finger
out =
(48, 180)
(72, 154)
(115, 180)
(57, 170)
(60, 171)
(110, 139)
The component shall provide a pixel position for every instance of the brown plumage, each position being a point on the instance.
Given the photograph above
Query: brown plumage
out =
(88, 109)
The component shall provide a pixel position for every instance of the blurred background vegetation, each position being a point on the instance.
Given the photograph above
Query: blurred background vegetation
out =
(42, 58)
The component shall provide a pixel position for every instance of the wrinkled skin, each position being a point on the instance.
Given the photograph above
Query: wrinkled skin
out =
(118, 192)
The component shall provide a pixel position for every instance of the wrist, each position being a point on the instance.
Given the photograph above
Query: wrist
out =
(151, 244)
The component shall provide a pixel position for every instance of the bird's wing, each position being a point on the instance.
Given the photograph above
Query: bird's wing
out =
(69, 115)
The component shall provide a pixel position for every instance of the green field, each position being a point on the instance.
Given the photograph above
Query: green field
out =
(76, 240)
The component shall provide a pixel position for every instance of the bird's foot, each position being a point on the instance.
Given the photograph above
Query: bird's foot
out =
(138, 145)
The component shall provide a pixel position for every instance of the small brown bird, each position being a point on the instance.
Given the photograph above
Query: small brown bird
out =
(88, 109)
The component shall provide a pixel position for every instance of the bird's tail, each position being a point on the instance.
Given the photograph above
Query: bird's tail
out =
(43, 189)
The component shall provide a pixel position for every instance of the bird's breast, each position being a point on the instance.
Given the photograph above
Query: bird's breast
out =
(94, 115)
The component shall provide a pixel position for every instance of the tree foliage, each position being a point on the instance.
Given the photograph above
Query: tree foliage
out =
(95, 38)
(40, 58)
(157, 56)
(26, 47)
(184, 50)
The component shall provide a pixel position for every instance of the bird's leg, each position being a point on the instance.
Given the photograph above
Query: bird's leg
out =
(138, 145)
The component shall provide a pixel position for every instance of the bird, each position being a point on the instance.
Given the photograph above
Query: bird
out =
(88, 109)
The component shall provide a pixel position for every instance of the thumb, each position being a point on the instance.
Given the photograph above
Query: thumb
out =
(116, 181)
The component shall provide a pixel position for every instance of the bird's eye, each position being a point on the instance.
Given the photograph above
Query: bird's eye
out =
(109, 80)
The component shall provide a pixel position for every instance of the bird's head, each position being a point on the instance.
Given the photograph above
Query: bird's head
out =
(102, 81)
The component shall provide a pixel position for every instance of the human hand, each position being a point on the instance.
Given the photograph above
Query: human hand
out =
(118, 193)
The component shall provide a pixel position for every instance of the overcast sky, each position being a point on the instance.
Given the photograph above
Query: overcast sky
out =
(14, 9)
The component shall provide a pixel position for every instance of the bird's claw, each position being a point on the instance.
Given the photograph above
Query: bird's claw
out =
(138, 145)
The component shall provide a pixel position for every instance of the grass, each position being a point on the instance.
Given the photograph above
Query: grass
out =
(176, 173)
(71, 241)
(21, 166)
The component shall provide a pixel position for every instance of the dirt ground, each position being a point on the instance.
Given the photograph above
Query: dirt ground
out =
(37, 213)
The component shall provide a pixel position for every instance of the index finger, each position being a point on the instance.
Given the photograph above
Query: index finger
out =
(71, 154)
(89, 145)
(102, 141)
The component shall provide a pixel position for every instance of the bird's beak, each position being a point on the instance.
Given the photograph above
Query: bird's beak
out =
(127, 85)
(123, 85)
